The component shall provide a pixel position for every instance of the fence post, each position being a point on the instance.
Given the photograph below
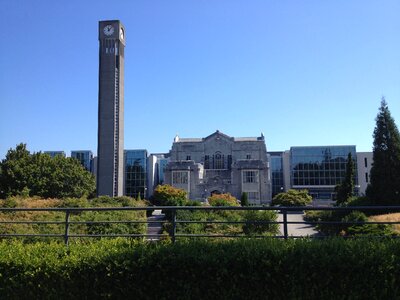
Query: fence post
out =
(173, 232)
(66, 227)
(285, 225)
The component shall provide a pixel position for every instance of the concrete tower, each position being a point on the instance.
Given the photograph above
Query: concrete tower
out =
(110, 147)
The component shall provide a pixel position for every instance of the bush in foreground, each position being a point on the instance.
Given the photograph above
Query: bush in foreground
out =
(235, 269)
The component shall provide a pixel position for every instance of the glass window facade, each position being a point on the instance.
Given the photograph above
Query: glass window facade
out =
(320, 169)
(276, 173)
(135, 173)
(161, 164)
(85, 157)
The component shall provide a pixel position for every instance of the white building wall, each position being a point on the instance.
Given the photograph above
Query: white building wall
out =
(364, 164)
(151, 173)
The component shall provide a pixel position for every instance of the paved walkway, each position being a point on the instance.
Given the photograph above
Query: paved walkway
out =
(155, 228)
(297, 229)
(293, 229)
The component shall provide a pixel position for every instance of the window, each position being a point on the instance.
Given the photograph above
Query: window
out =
(365, 162)
(180, 177)
(250, 176)
(253, 195)
(248, 156)
(188, 157)
(366, 177)
(218, 161)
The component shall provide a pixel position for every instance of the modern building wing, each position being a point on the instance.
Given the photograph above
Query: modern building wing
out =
(85, 157)
(155, 167)
(55, 153)
(364, 165)
(318, 169)
(277, 178)
(135, 173)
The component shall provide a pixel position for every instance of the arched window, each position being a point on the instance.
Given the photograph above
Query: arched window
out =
(218, 161)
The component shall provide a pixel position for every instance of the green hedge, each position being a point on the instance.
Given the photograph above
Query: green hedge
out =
(233, 269)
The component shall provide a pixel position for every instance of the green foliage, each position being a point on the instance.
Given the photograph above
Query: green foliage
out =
(193, 203)
(347, 229)
(38, 174)
(384, 185)
(244, 201)
(254, 228)
(345, 190)
(222, 200)
(230, 269)
(292, 198)
(166, 195)
(246, 226)
(89, 216)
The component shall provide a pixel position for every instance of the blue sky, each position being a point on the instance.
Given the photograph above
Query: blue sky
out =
(302, 72)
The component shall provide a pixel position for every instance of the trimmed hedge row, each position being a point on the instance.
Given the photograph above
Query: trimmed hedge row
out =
(233, 269)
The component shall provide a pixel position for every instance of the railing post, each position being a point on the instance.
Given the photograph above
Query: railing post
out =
(285, 225)
(66, 227)
(173, 232)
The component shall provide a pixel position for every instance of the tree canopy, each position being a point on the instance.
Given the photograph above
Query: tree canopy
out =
(384, 187)
(345, 190)
(37, 174)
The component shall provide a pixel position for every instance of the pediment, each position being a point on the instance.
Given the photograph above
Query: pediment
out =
(218, 136)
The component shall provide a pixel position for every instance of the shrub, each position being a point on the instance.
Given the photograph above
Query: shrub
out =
(292, 198)
(231, 269)
(193, 203)
(222, 200)
(167, 195)
(77, 228)
(348, 229)
(254, 228)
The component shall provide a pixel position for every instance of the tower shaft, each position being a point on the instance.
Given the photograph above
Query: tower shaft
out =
(110, 148)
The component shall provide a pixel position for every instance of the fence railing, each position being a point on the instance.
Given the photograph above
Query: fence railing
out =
(172, 233)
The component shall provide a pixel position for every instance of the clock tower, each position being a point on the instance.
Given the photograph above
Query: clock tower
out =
(110, 142)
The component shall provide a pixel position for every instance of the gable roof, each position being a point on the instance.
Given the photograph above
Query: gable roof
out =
(219, 134)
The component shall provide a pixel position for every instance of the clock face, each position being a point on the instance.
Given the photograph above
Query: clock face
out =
(121, 34)
(108, 30)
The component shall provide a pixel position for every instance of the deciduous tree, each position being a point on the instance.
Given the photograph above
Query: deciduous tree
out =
(40, 175)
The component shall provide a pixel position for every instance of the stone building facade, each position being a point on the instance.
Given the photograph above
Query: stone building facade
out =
(220, 164)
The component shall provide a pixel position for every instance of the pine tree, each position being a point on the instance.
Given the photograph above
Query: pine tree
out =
(384, 187)
(346, 188)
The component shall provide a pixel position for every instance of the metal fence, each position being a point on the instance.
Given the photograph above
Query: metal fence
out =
(173, 221)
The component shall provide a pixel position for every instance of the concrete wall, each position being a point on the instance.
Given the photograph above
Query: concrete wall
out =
(364, 164)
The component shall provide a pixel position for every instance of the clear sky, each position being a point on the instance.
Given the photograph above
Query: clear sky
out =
(302, 72)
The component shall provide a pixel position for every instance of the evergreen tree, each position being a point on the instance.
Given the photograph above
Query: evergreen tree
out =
(244, 201)
(346, 188)
(384, 187)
